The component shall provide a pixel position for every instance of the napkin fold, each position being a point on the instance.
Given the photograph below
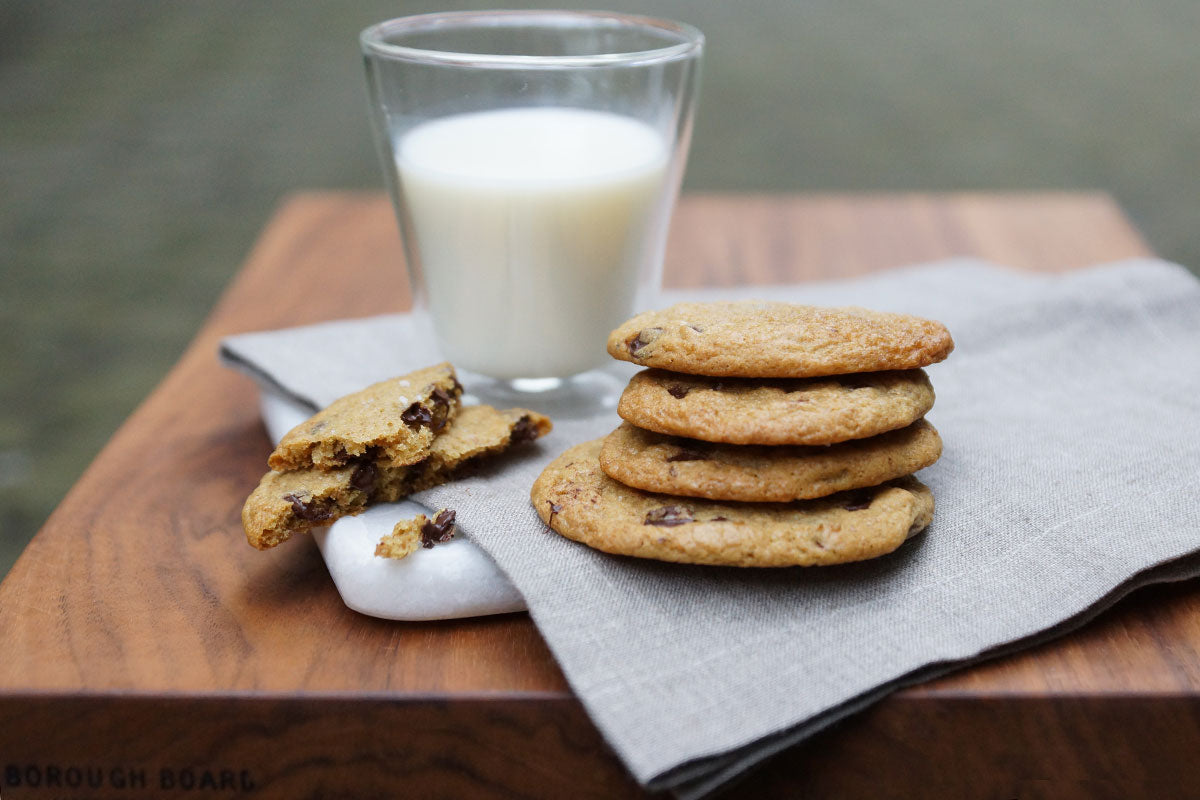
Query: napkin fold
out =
(1070, 415)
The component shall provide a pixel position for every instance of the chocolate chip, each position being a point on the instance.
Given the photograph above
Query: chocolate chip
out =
(441, 408)
(668, 516)
(309, 511)
(411, 474)
(417, 415)
(554, 509)
(643, 338)
(438, 529)
(523, 431)
(678, 391)
(688, 454)
(858, 501)
(363, 477)
(455, 386)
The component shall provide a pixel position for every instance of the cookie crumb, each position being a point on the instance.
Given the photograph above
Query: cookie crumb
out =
(404, 539)
(410, 534)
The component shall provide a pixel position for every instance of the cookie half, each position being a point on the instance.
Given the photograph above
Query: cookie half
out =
(394, 421)
(751, 339)
(287, 503)
(576, 499)
(656, 462)
(776, 411)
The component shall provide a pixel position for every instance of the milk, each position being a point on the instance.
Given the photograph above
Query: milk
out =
(531, 226)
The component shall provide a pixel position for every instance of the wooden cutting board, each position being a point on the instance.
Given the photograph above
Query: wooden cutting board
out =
(146, 650)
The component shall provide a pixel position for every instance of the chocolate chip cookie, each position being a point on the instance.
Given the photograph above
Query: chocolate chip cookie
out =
(774, 412)
(656, 462)
(777, 340)
(287, 503)
(392, 422)
(576, 499)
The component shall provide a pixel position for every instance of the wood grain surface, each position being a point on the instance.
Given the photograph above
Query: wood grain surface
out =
(139, 632)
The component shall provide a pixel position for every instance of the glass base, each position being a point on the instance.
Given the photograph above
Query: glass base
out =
(584, 395)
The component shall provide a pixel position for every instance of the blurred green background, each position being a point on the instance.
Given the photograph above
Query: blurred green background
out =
(143, 146)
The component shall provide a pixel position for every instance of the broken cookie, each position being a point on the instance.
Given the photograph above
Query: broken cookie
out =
(287, 503)
(392, 422)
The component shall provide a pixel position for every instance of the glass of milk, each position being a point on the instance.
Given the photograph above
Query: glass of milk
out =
(533, 158)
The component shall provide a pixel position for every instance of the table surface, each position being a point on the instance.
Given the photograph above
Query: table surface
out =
(139, 630)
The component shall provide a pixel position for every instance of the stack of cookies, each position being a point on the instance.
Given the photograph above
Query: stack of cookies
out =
(762, 434)
(378, 445)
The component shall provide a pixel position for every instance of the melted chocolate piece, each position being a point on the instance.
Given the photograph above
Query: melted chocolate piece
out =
(668, 516)
(438, 529)
(523, 431)
(857, 501)
(688, 454)
(363, 478)
(441, 408)
(678, 391)
(417, 415)
(412, 474)
(308, 511)
(643, 338)
(342, 458)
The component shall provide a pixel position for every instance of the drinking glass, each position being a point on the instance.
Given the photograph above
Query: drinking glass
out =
(533, 158)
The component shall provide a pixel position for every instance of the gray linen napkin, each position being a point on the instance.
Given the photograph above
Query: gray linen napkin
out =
(1070, 413)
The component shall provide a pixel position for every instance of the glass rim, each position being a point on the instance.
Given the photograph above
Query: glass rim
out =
(374, 39)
